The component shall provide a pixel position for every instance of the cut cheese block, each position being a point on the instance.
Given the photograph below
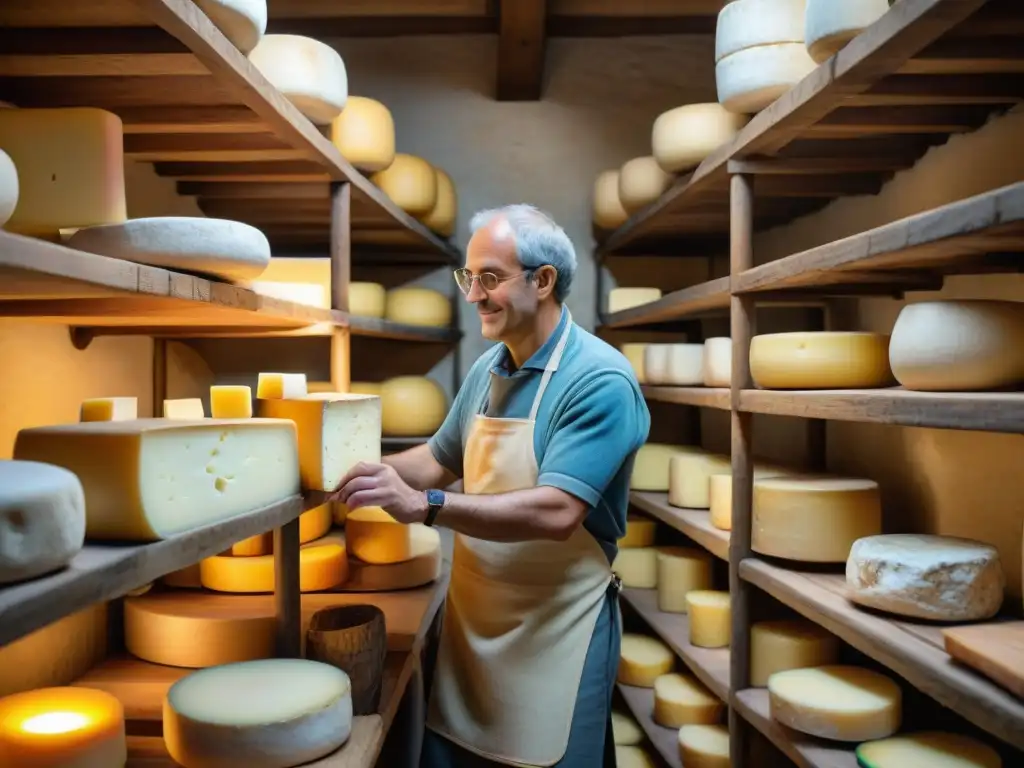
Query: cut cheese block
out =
(412, 406)
(814, 519)
(228, 250)
(321, 566)
(231, 401)
(280, 386)
(310, 74)
(621, 299)
(184, 409)
(423, 567)
(683, 137)
(310, 294)
(243, 22)
(642, 660)
(931, 749)
(441, 218)
(637, 567)
(717, 362)
(109, 409)
(186, 578)
(681, 570)
(364, 133)
(136, 492)
(750, 80)
(639, 532)
(746, 24)
(830, 25)
(376, 537)
(366, 299)
(271, 713)
(704, 746)
(689, 476)
(674, 365)
(841, 703)
(625, 729)
(418, 306)
(996, 650)
(633, 757)
(634, 353)
(820, 360)
(410, 182)
(335, 431)
(776, 646)
(710, 618)
(651, 465)
(313, 525)
(641, 182)
(958, 345)
(681, 700)
(607, 211)
(42, 519)
(70, 165)
(8, 187)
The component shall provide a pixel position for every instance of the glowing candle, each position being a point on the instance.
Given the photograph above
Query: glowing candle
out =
(62, 728)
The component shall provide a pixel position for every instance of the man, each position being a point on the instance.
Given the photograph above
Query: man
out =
(543, 433)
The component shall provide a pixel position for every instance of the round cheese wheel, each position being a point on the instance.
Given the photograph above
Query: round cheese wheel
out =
(621, 299)
(634, 353)
(441, 218)
(958, 345)
(680, 700)
(683, 137)
(750, 80)
(625, 729)
(412, 406)
(677, 365)
(243, 22)
(744, 24)
(704, 746)
(717, 362)
(364, 133)
(710, 618)
(720, 492)
(776, 646)
(374, 536)
(418, 306)
(228, 250)
(651, 465)
(820, 360)
(410, 183)
(830, 25)
(681, 570)
(310, 74)
(637, 567)
(366, 299)
(639, 532)
(689, 478)
(321, 566)
(642, 660)
(608, 212)
(8, 187)
(422, 567)
(929, 749)
(641, 182)
(313, 525)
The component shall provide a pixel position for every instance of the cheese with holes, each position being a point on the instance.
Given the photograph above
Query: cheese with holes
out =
(311, 294)
(109, 409)
(966, 345)
(412, 406)
(637, 567)
(744, 24)
(681, 570)
(841, 703)
(625, 729)
(310, 74)
(313, 525)
(634, 354)
(939, 578)
(633, 757)
(336, 431)
(321, 566)
(185, 578)
(651, 465)
(621, 299)
(606, 207)
(830, 25)
(641, 182)
(441, 218)
(418, 306)
(929, 749)
(820, 360)
(814, 519)
(720, 492)
(704, 746)
(70, 165)
(243, 22)
(262, 714)
(366, 299)
(42, 519)
(710, 618)
(280, 386)
(8, 187)
(717, 370)
(376, 537)
(137, 493)
(750, 80)
(422, 567)
(681, 700)
(689, 476)
(639, 532)
(642, 660)
(674, 365)
(683, 137)
(410, 182)
(364, 133)
(184, 409)
(776, 646)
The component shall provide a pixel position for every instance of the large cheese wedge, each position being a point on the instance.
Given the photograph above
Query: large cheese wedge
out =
(814, 519)
(313, 524)
(641, 182)
(70, 165)
(412, 406)
(689, 476)
(441, 218)
(642, 660)
(335, 432)
(184, 409)
(681, 570)
(639, 532)
(633, 757)
(634, 353)
(311, 294)
(243, 22)
(422, 567)
(271, 713)
(231, 401)
(830, 25)
(958, 345)
(109, 409)
(940, 578)
(621, 299)
(820, 360)
(136, 492)
(410, 182)
(750, 80)
(280, 386)
(376, 537)
(776, 646)
(625, 729)
(746, 24)
(229, 250)
(364, 133)
(418, 306)
(310, 74)
(651, 465)
(717, 362)
(674, 365)
(841, 703)
(681, 700)
(683, 137)
(710, 618)
(42, 519)
(321, 566)
(637, 567)
(704, 746)
(8, 187)
(606, 208)
(366, 299)
(930, 749)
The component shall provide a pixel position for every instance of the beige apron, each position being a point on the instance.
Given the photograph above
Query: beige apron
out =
(519, 616)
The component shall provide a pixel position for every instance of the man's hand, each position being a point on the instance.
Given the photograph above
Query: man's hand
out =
(378, 485)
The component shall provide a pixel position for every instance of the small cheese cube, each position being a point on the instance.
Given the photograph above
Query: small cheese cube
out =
(109, 409)
(230, 401)
(185, 409)
(280, 386)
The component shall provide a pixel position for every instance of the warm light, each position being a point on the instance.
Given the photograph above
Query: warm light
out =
(55, 722)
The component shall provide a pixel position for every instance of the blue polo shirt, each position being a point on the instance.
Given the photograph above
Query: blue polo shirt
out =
(591, 422)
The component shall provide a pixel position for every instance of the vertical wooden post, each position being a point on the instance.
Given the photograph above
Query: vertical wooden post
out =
(159, 376)
(287, 597)
(341, 271)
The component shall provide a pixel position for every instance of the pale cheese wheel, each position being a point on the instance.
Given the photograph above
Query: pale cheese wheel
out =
(422, 567)
(746, 24)
(820, 360)
(930, 749)
(364, 133)
(229, 250)
(641, 182)
(965, 345)
(271, 713)
(8, 187)
(682, 138)
(242, 22)
(410, 183)
(639, 532)
(418, 306)
(682, 700)
(776, 646)
(841, 703)
(412, 406)
(813, 519)
(633, 757)
(689, 476)
(720, 493)
(321, 566)
(704, 746)
(830, 25)
(625, 729)
(310, 74)
(642, 660)
(366, 299)
(621, 299)
(607, 211)
(717, 371)
(311, 294)
(441, 218)
(681, 570)
(651, 465)
(710, 618)
(637, 567)
(750, 80)
(674, 365)
(374, 536)
(634, 353)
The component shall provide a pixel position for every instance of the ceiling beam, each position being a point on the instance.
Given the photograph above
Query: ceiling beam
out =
(521, 44)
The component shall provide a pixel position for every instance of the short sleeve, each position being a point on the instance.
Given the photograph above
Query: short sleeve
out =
(446, 443)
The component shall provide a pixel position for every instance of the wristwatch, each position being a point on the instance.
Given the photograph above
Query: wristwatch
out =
(435, 501)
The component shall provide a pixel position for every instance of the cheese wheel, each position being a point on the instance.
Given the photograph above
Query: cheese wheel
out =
(242, 22)
(744, 24)
(230, 401)
(310, 294)
(820, 360)
(419, 306)
(625, 729)
(720, 492)
(321, 566)
(940, 578)
(710, 618)
(376, 537)
(717, 371)
(681, 700)
(412, 406)
(776, 646)
(681, 570)
(639, 532)
(750, 80)
(310, 74)
(313, 524)
(704, 746)
(634, 353)
(422, 567)
(683, 137)
(959, 345)
(441, 218)
(366, 299)
(280, 386)
(675, 365)
(641, 182)
(930, 749)
(185, 409)
(109, 409)
(410, 182)
(607, 210)
(8, 187)
(271, 713)
(364, 133)
(637, 567)
(621, 299)
(642, 660)
(633, 757)
(830, 25)
(651, 465)
(841, 703)
(689, 476)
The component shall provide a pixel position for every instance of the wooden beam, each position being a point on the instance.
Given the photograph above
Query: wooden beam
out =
(521, 46)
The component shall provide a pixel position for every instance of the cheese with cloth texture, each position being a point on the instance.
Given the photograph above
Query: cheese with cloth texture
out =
(184, 409)
(364, 133)
(704, 746)
(310, 74)
(820, 360)
(744, 24)
(321, 566)
(642, 660)
(684, 137)
(929, 749)
(621, 299)
(607, 211)
(418, 306)
(829, 25)
(641, 182)
(410, 183)
(135, 493)
(683, 700)
(109, 409)
(280, 386)
(366, 299)
(376, 537)
(681, 570)
(637, 567)
(639, 532)
(231, 401)
(689, 478)
(243, 22)
(776, 646)
(625, 729)
(750, 80)
(710, 618)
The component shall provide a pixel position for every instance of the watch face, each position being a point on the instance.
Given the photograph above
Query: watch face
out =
(435, 497)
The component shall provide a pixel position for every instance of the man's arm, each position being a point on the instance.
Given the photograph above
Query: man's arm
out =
(529, 515)
(419, 469)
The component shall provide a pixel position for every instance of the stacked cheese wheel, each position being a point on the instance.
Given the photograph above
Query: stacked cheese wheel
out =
(420, 189)
(829, 25)
(678, 364)
(636, 562)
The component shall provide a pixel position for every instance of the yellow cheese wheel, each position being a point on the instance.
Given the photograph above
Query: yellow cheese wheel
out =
(410, 183)
(820, 360)
(366, 299)
(776, 646)
(364, 133)
(683, 700)
(625, 729)
(374, 536)
(607, 212)
(683, 137)
(642, 660)
(720, 492)
(681, 570)
(621, 299)
(310, 74)
(321, 566)
(704, 746)
(639, 532)
(637, 567)
(441, 218)
(929, 749)
(710, 618)
(412, 406)
(641, 182)
(634, 353)
(423, 567)
(689, 477)
(651, 465)
(313, 524)
(418, 306)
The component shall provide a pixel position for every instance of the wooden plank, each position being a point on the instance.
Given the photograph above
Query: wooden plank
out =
(701, 397)
(377, 328)
(695, 523)
(698, 300)
(640, 702)
(209, 147)
(521, 45)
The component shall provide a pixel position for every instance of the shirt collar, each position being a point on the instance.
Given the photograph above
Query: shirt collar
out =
(539, 359)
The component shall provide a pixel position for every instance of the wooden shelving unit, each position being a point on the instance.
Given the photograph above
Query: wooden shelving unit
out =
(640, 702)
(695, 523)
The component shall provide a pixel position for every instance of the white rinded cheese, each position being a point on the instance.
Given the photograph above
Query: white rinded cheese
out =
(418, 306)
(634, 353)
(689, 476)
(830, 25)
(310, 74)
(746, 24)
(704, 746)
(422, 567)
(841, 703)
(683, 137)
(607, 211)
(366, 299)
(717, 362)
(410, 182)
(322, 566)
(710, 618)
(939, 578)
(675, 365)
(364, 133)
(651, 465)
(441, 218)
(280, 386)
(681, 570)
(109, 409)
(776, 646)
(374, 536)
(633, 757)
(184, 409)
(412, 406)
(639, 532)
(929, 749)
(752, 79)
(625, 729)
(641, 182)
(70, 168)
(682, 700)
(637, 567)
(243, 22)
(620, 299)
(270, 713)
(231, 401)
(642, 660)
(311, 294)
(820, 360)
(8, 187)
(42, 519)
(958, 345)
(136, 492)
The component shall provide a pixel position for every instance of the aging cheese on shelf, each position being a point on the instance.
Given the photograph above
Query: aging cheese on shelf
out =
(366, 299)
(820, 360)
(364, 133)
(830, 25)
(744, 24)
(940, 578)
(8, 187)
(750, 80)
(651, 465)
(412, 406)
(321, 566)
(313, 524)
(280, 386)
(633, 757)
(422, 567)
(243, 22)
(606, 210)
(841, 703)
(418, 306)
(625, 729)
(376, 537)
(641, 182)
(720, 492)
(704, 746)
(270, 713)
(689, 477)
(710, 618)
(620, 299)
(674, 365)
(135, 494)
(70, 165)
(682, 700)
(42, 519)
(929, 749)
(717, 362)
(960, 345)
(683, 137)
(184, 409)
(441, 218)
(639, 532)
(637, 567)
(109, 409)
(681, 570)
(311, 294)
(634, 353)
(776, 646)
(231, 401)
(410, 182)
(310, 74)
(642, 660)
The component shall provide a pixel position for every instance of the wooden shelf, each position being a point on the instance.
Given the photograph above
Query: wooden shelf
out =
(702, 397)
(708, 298)
(665, 740)
(695, 523)
(385, 329)
(914, 651)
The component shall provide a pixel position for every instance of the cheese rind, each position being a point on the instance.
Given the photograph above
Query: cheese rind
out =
(441, 218)
(184, 409)
(418, 306)
(243, 22)
(746, 24)
(717, 370)
(750, 80)
(639, 532)
(422, 567)
(410, 182)
(606, 207)
(928, 750)
(641, 182)
(411, 406)
(8, 187)
(674, 365)
(830, 25)
(642, 660)
(776, 646)
(321, 566)
(689, 477)
(682, 138)
(704, 746)
(364, 133)
(376, 537)
(681, 570)
(682, 700)
(231, 401)
(621, 299)
(637, 567)
(634, 353)
(710, 618)
(310, 74)
(109, 409)
(820, 360)
(625, 729)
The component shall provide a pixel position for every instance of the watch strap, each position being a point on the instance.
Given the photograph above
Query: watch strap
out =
(435, 502)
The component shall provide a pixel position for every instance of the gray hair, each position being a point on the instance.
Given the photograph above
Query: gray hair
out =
(539, 241)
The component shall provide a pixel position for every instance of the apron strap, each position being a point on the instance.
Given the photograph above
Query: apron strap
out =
(552, 366)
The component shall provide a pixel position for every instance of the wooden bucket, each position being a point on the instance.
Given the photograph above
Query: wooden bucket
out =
(352, 638)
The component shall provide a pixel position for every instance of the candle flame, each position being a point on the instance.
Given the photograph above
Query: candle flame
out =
(55, 722)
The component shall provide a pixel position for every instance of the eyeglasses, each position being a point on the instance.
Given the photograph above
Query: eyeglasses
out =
(488, 280)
